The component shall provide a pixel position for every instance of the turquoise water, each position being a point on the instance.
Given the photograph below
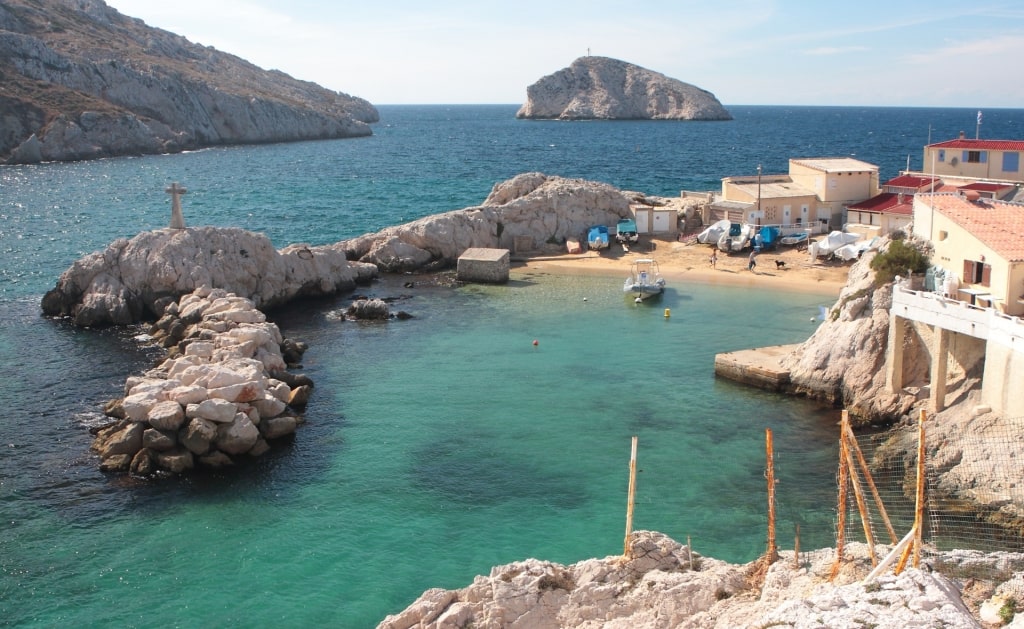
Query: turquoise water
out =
(434, 448)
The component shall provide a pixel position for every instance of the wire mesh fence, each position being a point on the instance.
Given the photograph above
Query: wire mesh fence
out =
(973, 491)
(972, 495)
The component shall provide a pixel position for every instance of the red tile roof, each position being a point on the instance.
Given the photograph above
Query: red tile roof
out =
(910, 181)
(998, 224)
(986, 187)
(980, 145)
(887, 202)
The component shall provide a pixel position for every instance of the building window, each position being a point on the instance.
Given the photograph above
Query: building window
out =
(942, 155)
(1011, 162)
(977, 272)
(974, 157)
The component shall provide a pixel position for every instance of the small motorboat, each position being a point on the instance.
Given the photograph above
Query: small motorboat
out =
(645, 280)
(799, 238)
(597, 237)
(625, 231)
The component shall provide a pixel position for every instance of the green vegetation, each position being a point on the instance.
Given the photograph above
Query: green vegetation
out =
(1008, 610)
(899, 259)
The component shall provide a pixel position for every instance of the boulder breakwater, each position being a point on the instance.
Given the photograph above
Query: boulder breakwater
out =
(223, 392)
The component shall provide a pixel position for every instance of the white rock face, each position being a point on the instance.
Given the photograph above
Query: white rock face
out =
(534, 206)
(660, 586)
(609, 89)
(128, 279)
(843, 361)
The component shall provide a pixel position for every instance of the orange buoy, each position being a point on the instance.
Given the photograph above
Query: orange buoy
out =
(535, 343)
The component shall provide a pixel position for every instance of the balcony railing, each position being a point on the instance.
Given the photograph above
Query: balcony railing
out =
(958, 316)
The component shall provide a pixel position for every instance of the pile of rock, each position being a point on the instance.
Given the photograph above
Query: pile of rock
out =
(223, 392)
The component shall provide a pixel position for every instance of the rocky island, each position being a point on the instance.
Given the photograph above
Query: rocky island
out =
(82, 81)
(601, 88)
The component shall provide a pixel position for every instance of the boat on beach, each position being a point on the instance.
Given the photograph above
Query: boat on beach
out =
(737, 238)
(597, 237)
(799, 238)
(625, 231)
(711, 235)
(645, 280)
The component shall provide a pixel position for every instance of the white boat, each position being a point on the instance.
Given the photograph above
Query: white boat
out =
(645, 280)
(711, 235)
(828, 245)
(737, 238)
(799, 238)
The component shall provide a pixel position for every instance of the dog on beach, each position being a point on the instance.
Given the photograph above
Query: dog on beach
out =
(780, 264)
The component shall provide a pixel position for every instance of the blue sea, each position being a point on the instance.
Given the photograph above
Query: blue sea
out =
(436, 447)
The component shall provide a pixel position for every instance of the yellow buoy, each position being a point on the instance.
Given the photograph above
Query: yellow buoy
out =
(668, 312)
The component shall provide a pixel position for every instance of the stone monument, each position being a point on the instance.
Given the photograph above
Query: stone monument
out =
(177, 219)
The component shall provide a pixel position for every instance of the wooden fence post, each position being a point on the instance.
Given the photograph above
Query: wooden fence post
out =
(626, 550)
(843, 482)
(919, 506)
(773, 551)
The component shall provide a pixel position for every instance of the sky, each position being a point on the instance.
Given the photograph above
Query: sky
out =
(941, 53)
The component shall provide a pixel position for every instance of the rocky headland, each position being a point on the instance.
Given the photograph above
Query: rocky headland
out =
(82, 81)
(601, 88)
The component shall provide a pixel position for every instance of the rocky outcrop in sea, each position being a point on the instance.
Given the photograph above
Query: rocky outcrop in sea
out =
(600, 88)
(135, 279)
(663, 584)
(82, 81)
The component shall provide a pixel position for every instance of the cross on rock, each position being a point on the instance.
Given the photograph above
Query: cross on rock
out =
(177, 219)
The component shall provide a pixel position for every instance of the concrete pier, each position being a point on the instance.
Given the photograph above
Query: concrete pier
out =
(758, 367)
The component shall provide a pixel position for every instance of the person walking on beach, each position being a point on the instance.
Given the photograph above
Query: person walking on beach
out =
(714, 258)
(753, 262)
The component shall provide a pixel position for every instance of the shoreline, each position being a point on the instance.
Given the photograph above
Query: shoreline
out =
(681, 261)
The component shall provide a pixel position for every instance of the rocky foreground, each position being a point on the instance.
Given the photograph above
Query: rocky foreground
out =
(82, 81)
(600, 88)
(663, 584)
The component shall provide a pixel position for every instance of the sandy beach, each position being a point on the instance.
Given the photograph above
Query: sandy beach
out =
(691, 262)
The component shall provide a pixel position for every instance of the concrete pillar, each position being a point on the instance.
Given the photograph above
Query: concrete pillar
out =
(940, 360)
(894, 357)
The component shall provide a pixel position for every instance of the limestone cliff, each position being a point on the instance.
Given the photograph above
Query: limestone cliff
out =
(843, 362)
(609, 89)
(79, 81)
